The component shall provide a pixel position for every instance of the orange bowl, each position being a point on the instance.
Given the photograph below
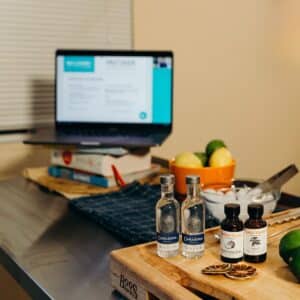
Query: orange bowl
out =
(210, 177)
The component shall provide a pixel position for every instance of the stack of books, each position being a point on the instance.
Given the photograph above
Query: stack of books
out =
(99, 166)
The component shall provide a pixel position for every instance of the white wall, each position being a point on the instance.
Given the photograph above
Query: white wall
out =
(237, 77)
(16, 156)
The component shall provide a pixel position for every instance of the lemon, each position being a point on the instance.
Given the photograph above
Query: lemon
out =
(203, 157)
(188, 159)
(288, 244)
(213, 145)
(220, 158)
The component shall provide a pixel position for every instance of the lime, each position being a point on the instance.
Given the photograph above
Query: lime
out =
(294, 264)
(188, 159)
(203, 157)
(220, 158)
(288, 244)
(213, 146)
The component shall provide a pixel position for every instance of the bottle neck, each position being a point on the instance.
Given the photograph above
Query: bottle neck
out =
(192, 191)
(255, 217)
(167, 191)
(233, 217)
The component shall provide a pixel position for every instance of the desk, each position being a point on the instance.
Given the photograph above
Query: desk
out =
(51, 251)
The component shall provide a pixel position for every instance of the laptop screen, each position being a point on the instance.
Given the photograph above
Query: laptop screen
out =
(130, 87)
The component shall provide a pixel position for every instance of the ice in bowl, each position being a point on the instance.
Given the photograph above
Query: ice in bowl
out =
(216, 199)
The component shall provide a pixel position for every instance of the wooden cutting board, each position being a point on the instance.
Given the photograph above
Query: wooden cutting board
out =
(138, 273)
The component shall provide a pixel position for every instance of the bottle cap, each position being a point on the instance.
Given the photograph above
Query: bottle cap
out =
(190, 179)
(167, 179)
(232, 209)
(255, 210)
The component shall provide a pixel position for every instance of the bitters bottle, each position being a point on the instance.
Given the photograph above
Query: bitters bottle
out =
(255, 235)
(232, 234)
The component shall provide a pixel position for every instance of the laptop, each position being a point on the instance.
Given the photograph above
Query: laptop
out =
(111, 98)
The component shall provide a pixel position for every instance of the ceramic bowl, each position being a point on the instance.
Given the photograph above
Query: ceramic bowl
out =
(210, 177)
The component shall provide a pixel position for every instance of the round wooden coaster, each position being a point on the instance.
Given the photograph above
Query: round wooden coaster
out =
(241, 272)
(217, 269)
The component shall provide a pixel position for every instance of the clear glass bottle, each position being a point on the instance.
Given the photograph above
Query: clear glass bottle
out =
(255, 235)
(232, 234)
(193, 220)
(167, 219)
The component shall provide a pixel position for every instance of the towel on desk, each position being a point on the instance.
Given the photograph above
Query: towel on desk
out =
(129, 213)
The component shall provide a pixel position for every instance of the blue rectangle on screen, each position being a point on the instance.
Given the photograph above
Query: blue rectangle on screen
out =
(162, 95)
(79, 64)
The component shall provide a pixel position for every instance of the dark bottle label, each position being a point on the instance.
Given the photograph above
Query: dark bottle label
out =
(167, 238)
(193, 239)
(193, 243)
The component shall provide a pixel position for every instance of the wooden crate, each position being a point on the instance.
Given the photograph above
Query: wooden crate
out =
(138, 273)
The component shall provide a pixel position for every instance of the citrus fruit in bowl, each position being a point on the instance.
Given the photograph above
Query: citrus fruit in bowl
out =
(215, 166)
(214, 177)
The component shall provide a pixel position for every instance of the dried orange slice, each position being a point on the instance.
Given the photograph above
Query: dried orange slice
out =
(217, 269)
(241, 272)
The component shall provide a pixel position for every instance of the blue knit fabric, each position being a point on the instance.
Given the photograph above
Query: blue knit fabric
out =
(129, 213)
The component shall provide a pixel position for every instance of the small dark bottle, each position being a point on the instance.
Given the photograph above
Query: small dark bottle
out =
(255, 236)
(232, 234)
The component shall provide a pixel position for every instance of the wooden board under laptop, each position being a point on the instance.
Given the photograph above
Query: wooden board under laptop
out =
(73, 189)
(138, 273)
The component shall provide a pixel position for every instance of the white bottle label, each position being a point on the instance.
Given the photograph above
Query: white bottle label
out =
(193, 248)
(167, 247)
(255, 241)
(232, 244)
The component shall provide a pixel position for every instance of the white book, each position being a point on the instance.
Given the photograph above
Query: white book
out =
(104, 181)
(100, 163)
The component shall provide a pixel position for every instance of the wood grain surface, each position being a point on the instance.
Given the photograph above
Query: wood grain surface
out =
(170, 278)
